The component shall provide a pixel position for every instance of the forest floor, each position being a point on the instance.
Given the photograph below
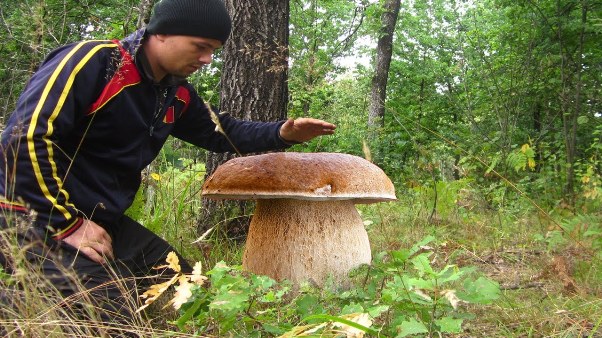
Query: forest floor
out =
(543, 294)
(550, 280)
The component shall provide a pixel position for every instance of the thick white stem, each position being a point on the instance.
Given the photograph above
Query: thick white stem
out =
(303, 240)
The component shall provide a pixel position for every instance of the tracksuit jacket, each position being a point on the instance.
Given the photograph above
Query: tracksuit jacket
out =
(89, 120)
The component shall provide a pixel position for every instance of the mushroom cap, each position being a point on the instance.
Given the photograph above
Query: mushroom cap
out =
(304, 176)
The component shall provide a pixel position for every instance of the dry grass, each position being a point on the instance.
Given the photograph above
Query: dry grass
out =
(33, 307)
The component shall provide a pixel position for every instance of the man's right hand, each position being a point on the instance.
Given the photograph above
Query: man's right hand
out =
(93, 241)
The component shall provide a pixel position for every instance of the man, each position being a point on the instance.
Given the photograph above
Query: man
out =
(91, 118)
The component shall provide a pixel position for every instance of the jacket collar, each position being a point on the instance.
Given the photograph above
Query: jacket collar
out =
(134, 45)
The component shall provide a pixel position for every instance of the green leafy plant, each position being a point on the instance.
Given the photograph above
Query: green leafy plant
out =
(168, 201)
(583, 230)
(522, 158)
(401, 293)
(411, 296)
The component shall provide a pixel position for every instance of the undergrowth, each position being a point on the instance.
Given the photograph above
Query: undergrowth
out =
(400, 294)
(458, 267)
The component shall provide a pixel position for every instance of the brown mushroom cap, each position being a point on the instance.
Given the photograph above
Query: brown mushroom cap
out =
(305, 176)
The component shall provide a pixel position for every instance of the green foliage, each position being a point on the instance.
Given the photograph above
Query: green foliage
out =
(175, 191)
(522, 158)
(470, 82)
(402, 292)
(344, 104)
(31, 29)
(234, 302)
(420, 298)
(589, 172)
(320, 32)
(6, 278)
(581, 230)
(444, 196)
(168, 201)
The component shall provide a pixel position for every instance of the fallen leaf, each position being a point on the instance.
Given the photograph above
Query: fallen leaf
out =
(183, 293)
(450, 295)
(155, 291)
(197, 276)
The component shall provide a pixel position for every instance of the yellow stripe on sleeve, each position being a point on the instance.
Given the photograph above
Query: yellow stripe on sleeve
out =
(59, 105)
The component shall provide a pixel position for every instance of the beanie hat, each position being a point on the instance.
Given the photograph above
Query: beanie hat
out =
(204, 18)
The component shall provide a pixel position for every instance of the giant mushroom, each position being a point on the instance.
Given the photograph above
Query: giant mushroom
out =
(305, 226)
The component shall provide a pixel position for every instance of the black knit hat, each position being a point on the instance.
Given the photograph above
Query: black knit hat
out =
(204, 18)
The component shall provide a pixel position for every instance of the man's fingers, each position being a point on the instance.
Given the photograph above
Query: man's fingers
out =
(92, 254)
(318, 126)
(102, 249)
(305, 128)
(93, 241)
(106, 237)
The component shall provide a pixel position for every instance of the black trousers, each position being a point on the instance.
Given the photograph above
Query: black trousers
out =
(113, 288)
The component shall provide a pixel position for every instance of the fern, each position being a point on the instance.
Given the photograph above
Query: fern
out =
(522, 158)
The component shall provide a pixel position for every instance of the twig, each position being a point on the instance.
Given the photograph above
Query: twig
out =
(519, 287)
(218, 126)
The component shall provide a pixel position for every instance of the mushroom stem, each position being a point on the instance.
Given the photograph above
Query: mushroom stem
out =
(303, 240)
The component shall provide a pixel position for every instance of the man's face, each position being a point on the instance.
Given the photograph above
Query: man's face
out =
(183, 55)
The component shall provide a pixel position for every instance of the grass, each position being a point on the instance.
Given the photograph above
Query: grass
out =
(34, 307)
(549, 289)
(551, 280)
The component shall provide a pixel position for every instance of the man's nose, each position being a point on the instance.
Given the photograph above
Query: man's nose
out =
(206, 58)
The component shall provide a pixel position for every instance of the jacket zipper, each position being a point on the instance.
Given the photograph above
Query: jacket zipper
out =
(161, 94)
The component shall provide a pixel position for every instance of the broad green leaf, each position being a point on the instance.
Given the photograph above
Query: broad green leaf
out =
(422, 264)
(411, 326)
(189, 312)
(480, 291)
(449, 325)
(376, 311)
(275, 330)
(416, 247)
(352, 308)
(449, 273)
(307, 305)
(401, 256)
(581, 120)
(231, 300)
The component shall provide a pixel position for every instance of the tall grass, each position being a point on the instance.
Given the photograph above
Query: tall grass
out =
(32, 306)
(514, 246)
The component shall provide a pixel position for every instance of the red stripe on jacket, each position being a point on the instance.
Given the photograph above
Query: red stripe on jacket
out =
(126, 75)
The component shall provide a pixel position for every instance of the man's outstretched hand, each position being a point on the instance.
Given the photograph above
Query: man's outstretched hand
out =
(92, 240)
(304, 129)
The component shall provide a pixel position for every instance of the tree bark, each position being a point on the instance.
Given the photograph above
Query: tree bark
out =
(572, 104)
(253, 87)
(384, 51)
(145, 8)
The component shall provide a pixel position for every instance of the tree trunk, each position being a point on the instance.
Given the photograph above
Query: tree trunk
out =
(253, 87)
(384, 51)
(572, 104)
(144, 12)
